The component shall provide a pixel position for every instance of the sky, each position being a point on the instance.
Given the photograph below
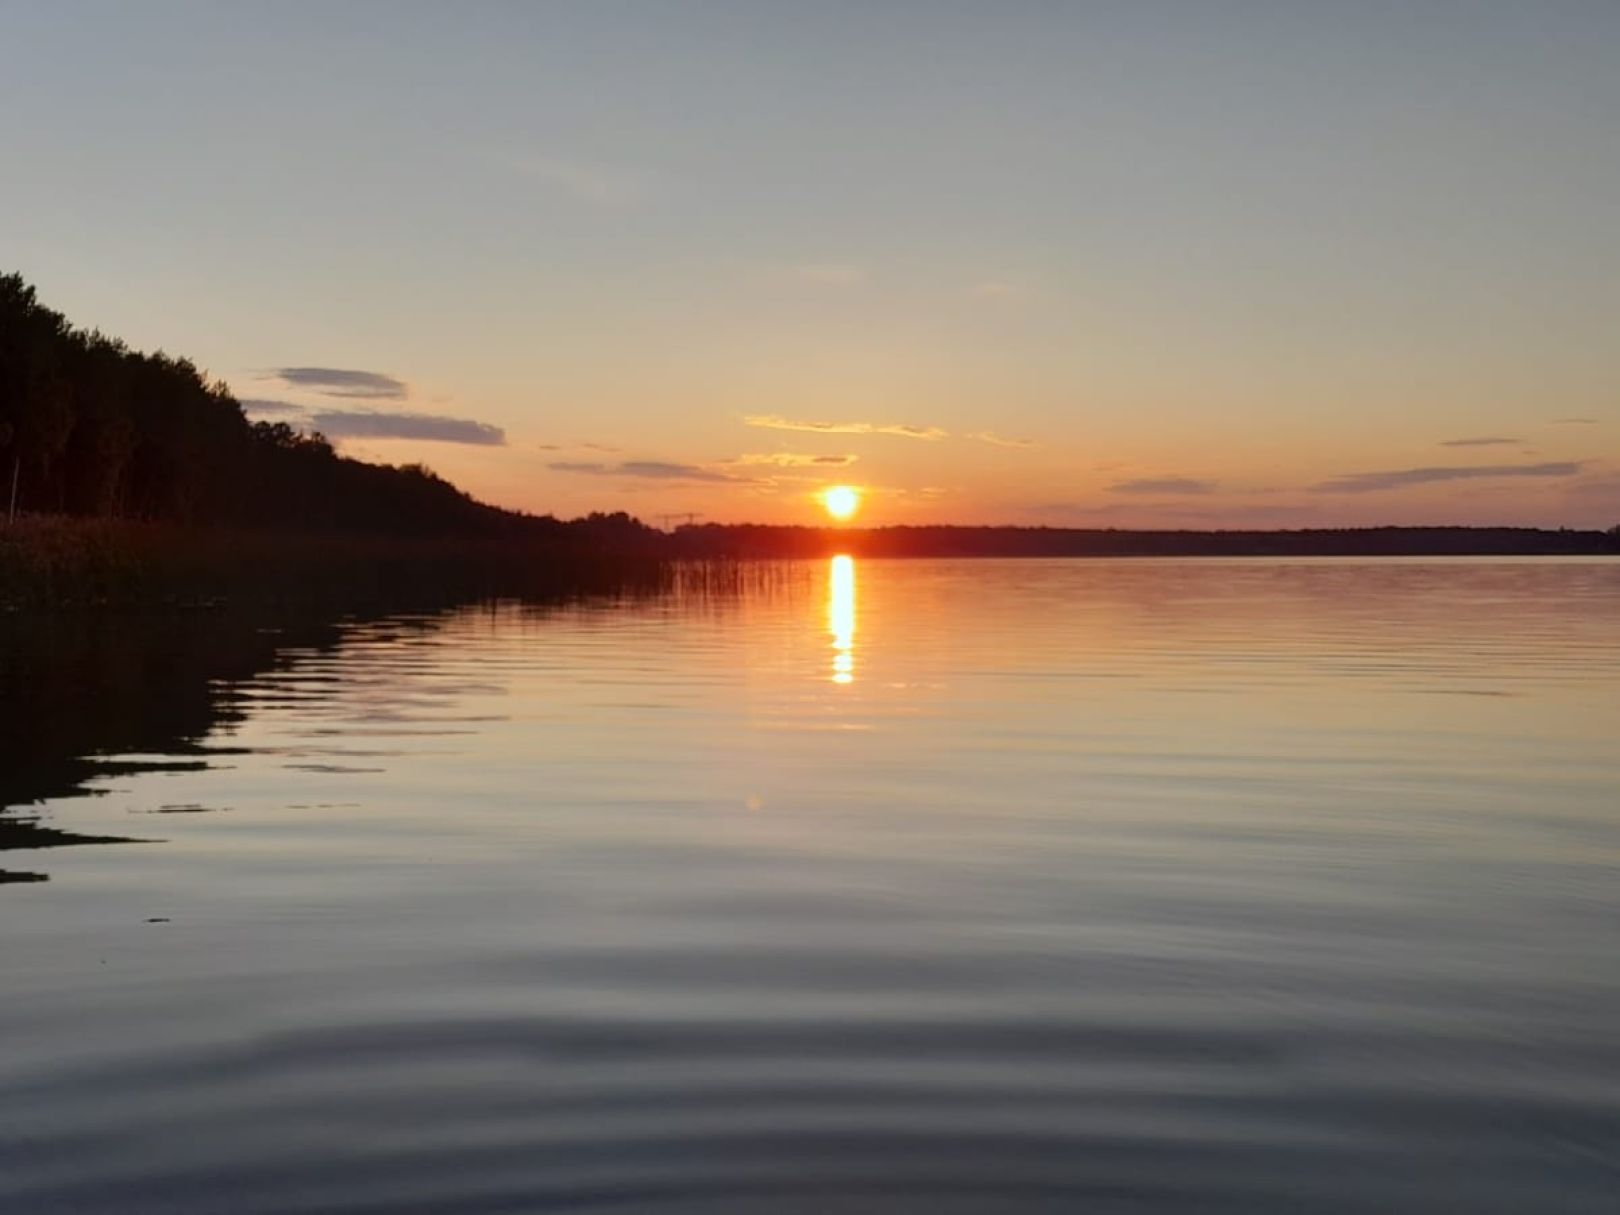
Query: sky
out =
(1208, 264)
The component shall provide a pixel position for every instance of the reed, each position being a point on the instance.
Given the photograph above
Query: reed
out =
(59, 562)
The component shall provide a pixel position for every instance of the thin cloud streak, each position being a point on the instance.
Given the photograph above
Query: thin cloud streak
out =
(995, 440)
(1599, 495)
(366, 424)
(1485, 442)
(771, 421)
(1376, 482)
(344, 382)
(263, 405)
(651, 470)
(1163, 485)
(1237, 514)
(794, 459)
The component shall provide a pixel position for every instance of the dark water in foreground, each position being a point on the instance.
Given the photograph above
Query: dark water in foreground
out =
(926, 887)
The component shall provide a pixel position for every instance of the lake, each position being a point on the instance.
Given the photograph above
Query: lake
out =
(1056, 886)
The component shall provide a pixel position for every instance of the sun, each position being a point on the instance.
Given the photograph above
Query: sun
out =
(841, 501)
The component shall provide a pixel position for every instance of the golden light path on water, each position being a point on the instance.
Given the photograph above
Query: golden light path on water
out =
(841, 617)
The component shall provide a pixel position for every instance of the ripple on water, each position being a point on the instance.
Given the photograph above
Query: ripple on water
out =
(1050, 886)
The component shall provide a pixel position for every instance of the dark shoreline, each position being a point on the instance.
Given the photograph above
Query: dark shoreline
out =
(54, 561)
(750, 541)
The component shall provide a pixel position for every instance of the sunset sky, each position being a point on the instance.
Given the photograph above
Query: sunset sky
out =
(1136, 264)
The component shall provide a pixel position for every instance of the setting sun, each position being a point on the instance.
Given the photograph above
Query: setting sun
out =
(841, 501)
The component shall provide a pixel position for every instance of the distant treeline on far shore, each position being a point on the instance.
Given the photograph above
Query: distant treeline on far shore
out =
(759, 541)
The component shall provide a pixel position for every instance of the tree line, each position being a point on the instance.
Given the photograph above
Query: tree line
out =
(92, 428)
(747, 541)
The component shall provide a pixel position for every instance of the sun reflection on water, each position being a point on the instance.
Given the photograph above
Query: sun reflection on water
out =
(841, 617)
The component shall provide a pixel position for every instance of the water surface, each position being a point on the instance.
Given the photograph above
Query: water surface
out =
(1138, 886)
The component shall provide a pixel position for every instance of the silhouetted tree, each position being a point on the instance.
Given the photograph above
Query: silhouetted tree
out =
(90, 427)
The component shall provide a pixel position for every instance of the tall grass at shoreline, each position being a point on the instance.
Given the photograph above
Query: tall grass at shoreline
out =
(57, 562)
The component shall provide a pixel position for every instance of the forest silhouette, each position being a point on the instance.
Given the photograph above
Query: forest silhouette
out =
(91, 428)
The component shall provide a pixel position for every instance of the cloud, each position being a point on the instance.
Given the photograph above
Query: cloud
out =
(652, 470)
(366, 424)
(1374, 482)
(1235, 515)
(771, 421)
(1259, 513)
(995, 440)
(597, 184)
(1599, 493)
(343, 382)
(602, 447)
(1487, 442)
(795, 459)
(262, 405)
(1574, 421)
(1162, 485)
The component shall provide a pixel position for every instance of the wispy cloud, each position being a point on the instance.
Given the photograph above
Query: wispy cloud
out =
(1485, 442)
(1374, 482)
(1234, 515)
(1599, 493)
(771, 421)
(1261, 513)
(344, 382)
(651, 470)
(601, 447)
(597, 184)
(795, 459)
(1163, 485)
(995, 440)
(266, 407)
(367, 424)
(1574, 421)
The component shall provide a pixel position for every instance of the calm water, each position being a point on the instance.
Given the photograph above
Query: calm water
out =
(926, 887)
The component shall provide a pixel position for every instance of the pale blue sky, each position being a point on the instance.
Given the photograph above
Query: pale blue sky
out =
(1207, 259)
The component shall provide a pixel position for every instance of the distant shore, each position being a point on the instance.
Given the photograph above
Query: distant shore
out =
(761, 541)
(50, 561)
